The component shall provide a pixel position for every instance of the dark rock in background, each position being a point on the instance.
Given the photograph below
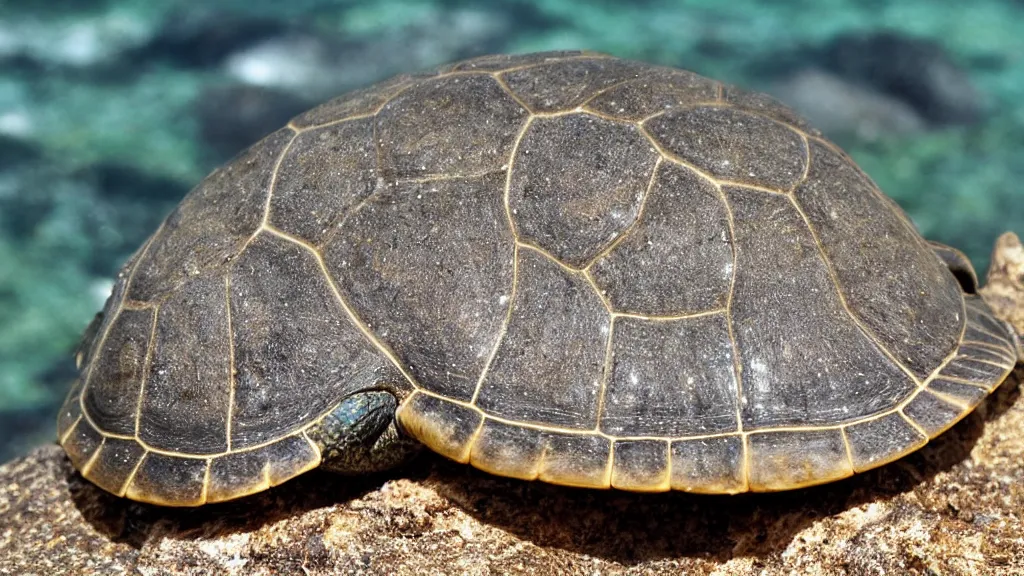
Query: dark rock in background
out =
(15, 152)
(203, 36)
(232, 117)
(865, 86)
(841, 108)
(917, 71)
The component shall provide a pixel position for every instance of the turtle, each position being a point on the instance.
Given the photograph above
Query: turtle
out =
(560, 266)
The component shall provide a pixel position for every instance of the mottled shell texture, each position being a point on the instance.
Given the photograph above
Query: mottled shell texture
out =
(570, 267)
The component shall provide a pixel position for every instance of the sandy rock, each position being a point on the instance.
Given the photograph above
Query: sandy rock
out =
(955, 507)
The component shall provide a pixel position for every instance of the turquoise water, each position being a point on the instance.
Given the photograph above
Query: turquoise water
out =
(110, 110)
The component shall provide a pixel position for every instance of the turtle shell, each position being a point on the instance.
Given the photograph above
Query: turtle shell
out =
(569, 267)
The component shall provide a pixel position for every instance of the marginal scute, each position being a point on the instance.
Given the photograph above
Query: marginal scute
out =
(985, 354)
(968, 394)
(443, 426)
(881, 440)
(670, 378)
(402, 259)
(655, 90)
(82, 442)
(550, 363)
(111, 468)
(933, 414)
(212, 224)
(578, 182)
(186, 397)
(986, 372)
(873, 252)
(242, 473)
(580, 460)
(732, 145)
(709, 465)
(323, 176)
(981, 321)
(447, 126)
(169, 480)
(641, 465)
(118, 371)
(71, 411)
(508, 450)
(677, 259)
(566, 84)
(804, 360)
(296, 350)
(785, 460)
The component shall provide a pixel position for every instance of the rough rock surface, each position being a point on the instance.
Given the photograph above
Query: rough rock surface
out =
(955, 507)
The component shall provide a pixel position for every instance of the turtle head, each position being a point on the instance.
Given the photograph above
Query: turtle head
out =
(360, 435)
(1004, 289)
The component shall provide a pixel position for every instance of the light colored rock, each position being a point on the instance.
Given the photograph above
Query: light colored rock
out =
(953, 508)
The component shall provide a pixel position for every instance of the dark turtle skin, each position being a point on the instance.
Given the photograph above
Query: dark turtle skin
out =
(561, 266)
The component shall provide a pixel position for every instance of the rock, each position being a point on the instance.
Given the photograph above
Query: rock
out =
(954, 507)
(233, 116)
(202, 36)
(840, 108)
(1005, 286)
(918, 71)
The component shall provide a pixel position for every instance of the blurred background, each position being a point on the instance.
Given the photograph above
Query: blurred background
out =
(111, 110)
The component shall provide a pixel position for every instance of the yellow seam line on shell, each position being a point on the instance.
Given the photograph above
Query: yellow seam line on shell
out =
(70, 430)
(602, 388)
(504, 327)
(103, 338)
(275, 171)
(84, 470)
(914, 424)
(147, 365)
(367, 332)
(688, 316)
(636, 221)
(131, 475)
(204, 493)
(232, 383)
(855, 318)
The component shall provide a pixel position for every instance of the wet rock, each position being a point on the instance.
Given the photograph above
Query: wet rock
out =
(233, 116)
(954, 507)
(842, 108)
(1005, 289)
(202, 36)
(15, 152)
(917, 71)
